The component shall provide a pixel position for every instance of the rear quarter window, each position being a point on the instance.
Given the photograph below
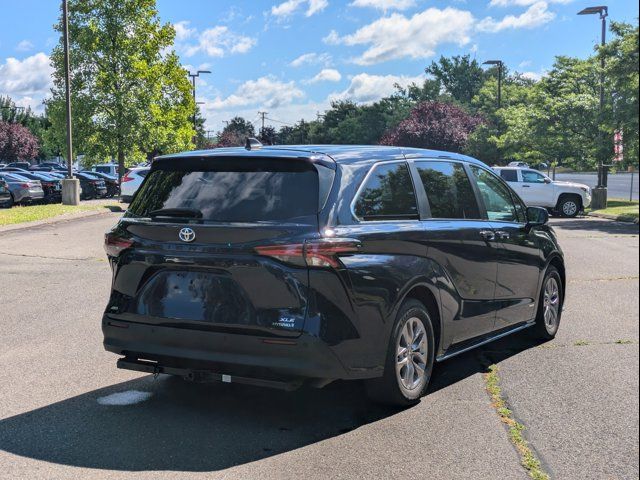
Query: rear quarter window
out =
(387, 194)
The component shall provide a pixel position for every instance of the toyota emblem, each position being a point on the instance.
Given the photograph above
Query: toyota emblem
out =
(187, 235)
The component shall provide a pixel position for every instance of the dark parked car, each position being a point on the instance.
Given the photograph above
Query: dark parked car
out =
(281, 265)
(23, 165)
(5, 196)
(92, 186)
(111, 182)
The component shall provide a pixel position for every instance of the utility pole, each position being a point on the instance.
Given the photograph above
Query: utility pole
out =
(262, 115)
(599, 200)
(70, 185)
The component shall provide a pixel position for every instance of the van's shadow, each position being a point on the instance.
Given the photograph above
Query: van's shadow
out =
(196, 427)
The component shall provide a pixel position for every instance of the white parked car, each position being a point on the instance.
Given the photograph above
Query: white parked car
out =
(538, 190)
(108, 168)
(131, 182)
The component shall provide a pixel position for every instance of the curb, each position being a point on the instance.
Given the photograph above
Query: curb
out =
(615, 218)
(65, 217)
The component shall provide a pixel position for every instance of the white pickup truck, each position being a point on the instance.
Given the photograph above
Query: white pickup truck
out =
(538, 190)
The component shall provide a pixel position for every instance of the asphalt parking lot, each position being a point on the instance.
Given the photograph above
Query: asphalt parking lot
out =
(577, 396)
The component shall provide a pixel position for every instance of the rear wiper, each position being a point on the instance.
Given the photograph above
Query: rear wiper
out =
(176, 212)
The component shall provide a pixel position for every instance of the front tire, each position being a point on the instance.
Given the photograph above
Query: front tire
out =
(569, 206)
(549, 305)
(410, 358)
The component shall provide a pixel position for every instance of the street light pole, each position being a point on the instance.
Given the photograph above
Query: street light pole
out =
(500, 65)
(193, 77)
(600, 192)
(70, 185)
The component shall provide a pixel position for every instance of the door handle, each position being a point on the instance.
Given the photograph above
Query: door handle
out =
(488, 235)
(526, 186)
(502, 235)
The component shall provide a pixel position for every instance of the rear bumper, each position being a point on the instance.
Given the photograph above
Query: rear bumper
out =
(223, 353)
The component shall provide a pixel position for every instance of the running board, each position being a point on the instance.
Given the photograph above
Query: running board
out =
(202, 376)
(457, 351)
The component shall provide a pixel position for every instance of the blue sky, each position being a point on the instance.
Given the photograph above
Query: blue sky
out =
(292, 57)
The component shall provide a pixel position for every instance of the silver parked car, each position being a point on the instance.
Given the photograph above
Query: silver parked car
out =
(23, 190)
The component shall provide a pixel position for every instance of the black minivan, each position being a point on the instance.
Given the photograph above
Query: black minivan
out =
(285, 265)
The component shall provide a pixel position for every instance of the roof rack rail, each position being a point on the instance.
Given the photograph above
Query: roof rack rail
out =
(252, 144)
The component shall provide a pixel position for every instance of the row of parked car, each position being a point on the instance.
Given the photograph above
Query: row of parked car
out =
(22, 183)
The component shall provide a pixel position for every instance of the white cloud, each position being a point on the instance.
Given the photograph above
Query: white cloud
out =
(365, 88)
(533, 75)
(218, 42)
(316, 6)
(183, 32)
(326, 75)
(288, 8)
(265, 92)
(536, 15)
(384, 4)
(28, 77)
(311, 59)
(397, 36)
(521, 3)
(24, 46)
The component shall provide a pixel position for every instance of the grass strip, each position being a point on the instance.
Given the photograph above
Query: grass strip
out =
(528, 458)
(622, 210)
(30, 213)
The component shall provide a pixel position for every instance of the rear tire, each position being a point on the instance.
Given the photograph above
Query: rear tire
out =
(550, 305)
(410, 358)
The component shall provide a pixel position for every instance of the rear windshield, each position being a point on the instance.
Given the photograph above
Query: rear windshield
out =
(245, 191)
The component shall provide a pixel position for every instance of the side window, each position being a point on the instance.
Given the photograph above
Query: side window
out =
(496, 196)
(509, 175)
(448, 189)
(388, 194)
(529, 176)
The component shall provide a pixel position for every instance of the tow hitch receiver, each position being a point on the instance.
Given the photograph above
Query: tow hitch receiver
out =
(203, 376)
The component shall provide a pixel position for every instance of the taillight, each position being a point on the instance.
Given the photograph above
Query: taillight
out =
(126, 178)
(114, 244)
(25, 185)
(317, 253)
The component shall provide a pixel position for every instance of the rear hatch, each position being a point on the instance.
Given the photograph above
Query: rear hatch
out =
(189, 251)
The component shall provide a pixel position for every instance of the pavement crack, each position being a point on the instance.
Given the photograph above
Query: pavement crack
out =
(528, 458)
(606, 279)
(24, 255)
(587, 343)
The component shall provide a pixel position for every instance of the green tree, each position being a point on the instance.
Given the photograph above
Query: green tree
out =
(621, 57)
(460, 76)
(130, 95)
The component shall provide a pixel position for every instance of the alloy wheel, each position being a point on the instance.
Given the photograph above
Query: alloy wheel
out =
(570, 208)
(411, 355)
(551, 305)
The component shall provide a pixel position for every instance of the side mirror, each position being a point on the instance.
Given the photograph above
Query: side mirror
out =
(547, 180)
(536, 216)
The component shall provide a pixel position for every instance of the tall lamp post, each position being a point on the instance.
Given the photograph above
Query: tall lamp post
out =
(600, 192)
(70, 185)
(193, 77)
(500, 66)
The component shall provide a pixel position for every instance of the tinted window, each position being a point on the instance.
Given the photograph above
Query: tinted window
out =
(529, 176)
(509, 175)
(261, 191)
(496, 196)
(142, 173)
(387, 194)
(448, 189)
(103, 169)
